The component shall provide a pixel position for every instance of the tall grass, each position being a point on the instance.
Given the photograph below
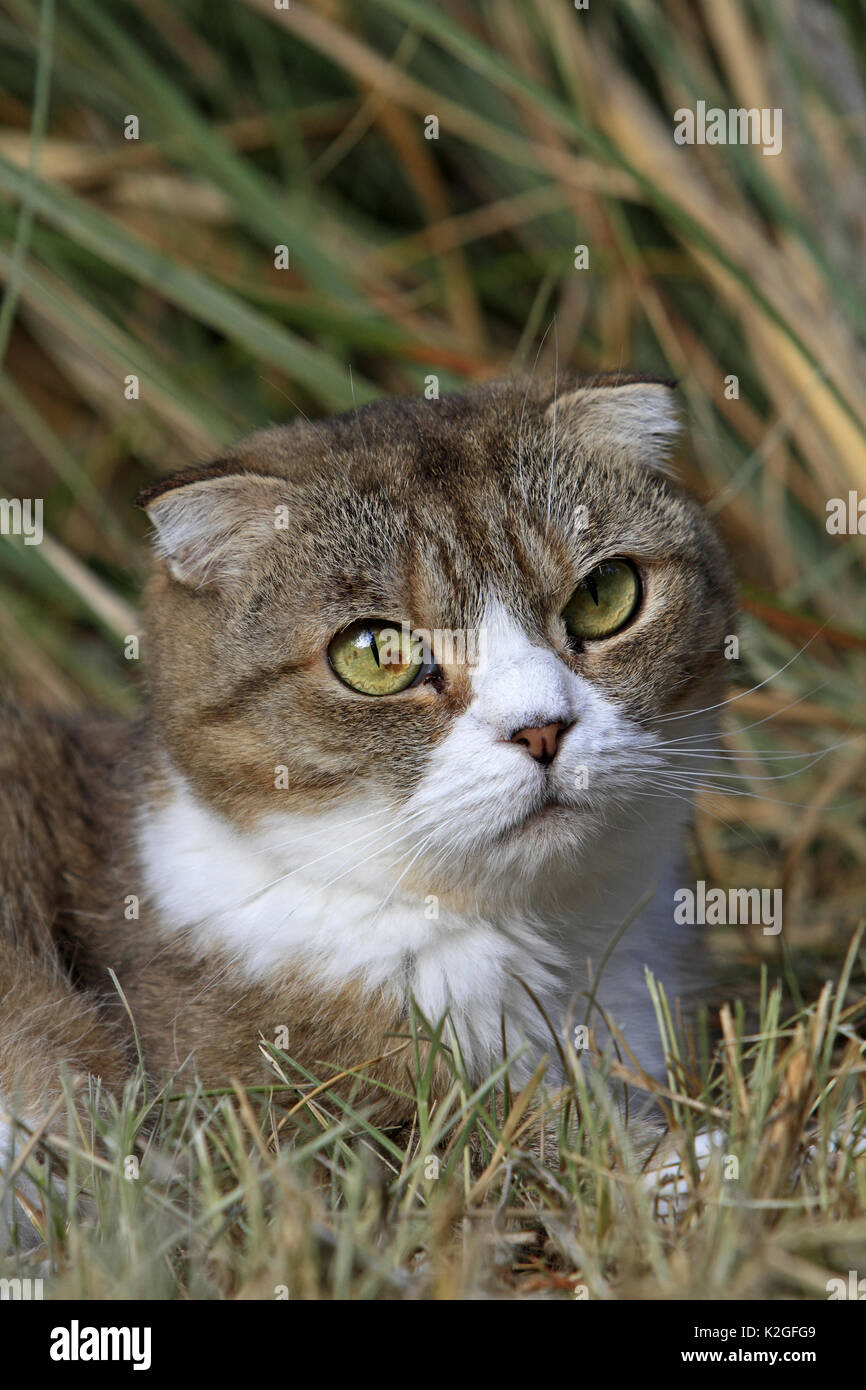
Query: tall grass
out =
(454, 256)
(242, 1194)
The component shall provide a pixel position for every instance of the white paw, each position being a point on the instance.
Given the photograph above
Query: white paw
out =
(668, 1179)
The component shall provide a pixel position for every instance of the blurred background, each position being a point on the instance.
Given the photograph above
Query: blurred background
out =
(430, 170)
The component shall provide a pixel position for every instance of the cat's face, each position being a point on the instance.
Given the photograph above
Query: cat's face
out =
(559, 582)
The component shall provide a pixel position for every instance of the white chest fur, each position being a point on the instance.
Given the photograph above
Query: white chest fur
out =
(324, 892)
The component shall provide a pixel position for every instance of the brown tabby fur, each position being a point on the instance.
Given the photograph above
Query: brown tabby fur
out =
(400, 508)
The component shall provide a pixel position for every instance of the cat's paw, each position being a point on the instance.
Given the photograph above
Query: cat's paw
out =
(667, 1178)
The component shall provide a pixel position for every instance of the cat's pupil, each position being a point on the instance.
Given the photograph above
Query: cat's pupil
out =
(603, 601)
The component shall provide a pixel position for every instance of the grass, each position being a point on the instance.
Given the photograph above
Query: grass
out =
(237, 1194)
(155, 257)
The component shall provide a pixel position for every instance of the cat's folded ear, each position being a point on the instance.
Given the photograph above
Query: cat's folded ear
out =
(210, 523)
(630, 421)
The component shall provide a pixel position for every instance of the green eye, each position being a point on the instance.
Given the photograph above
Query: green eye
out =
(375, 658)
(603, 601)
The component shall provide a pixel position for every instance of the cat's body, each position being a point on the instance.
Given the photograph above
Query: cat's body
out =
(273, 849)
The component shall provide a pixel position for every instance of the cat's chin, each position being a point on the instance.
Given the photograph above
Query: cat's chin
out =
(545, 831)
(507, 862)
(546, 820)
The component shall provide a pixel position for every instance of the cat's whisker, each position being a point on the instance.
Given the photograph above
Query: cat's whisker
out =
(717, 790)
(424, 843)
(748, 776)
(746, 832)
(357, 417)
(523, 413)
(352, 867)
(400, 525)
(190, 928)
(275, 387)
(753, 755)
(311, 834)
(707, 709)
(275, 930)
(744, 728)
(659, 769)
(555, 404)
(402, 820)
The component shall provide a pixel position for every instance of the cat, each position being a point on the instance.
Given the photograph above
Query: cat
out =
(321, 814)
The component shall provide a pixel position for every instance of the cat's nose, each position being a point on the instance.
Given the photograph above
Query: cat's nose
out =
(541, 743)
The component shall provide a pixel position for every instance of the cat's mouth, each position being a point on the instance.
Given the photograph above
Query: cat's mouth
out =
(551, 814)
(549, 811)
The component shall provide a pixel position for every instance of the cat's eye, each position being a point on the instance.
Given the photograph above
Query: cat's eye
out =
(375, 658)
(603, 601)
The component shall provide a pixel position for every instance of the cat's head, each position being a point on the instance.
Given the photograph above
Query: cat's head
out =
(469, 614)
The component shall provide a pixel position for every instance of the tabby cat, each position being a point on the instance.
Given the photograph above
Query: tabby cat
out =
(411, 677)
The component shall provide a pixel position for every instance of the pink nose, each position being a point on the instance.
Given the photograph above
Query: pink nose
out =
(542, 742)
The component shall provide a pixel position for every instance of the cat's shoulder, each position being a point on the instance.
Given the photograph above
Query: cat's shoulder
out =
(57, 768)
(34, 739)
(64, 801)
